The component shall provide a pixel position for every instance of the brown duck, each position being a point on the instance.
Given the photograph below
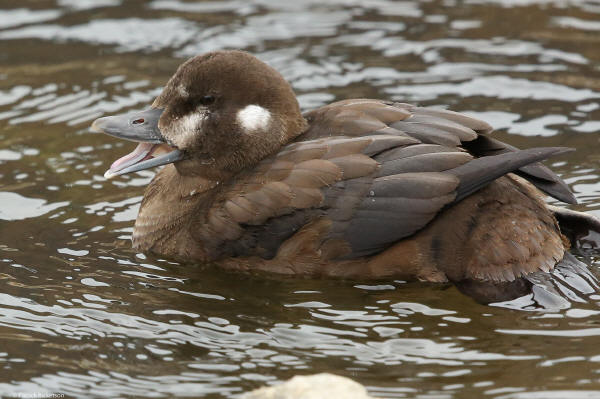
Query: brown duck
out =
(358, 189)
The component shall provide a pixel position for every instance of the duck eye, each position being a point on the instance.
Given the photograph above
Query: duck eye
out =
(207, 100)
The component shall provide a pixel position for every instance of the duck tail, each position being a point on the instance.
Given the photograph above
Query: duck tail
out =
(582, 229)
(571, 281)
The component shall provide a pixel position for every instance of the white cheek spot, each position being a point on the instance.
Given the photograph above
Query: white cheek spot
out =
(190, 122)
(254, 117)
(186, 128)
(181, 89)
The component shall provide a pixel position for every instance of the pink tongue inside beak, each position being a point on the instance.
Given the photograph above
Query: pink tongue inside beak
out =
(140, 152)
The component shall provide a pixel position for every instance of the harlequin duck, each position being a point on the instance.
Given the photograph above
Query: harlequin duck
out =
(358, 189)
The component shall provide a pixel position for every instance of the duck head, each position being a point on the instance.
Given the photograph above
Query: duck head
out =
(220, 113)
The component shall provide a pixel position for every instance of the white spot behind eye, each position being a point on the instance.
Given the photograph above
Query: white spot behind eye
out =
(254, 117)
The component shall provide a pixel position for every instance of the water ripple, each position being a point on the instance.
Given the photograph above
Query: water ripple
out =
(131, 34)
(22, 16)
(84, 315)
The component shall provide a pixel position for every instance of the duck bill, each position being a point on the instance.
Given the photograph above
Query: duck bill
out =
(140, 127)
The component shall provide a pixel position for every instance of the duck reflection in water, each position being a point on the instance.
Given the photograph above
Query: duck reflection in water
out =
(358, 189)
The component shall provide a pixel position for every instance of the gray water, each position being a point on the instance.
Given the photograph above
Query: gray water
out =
(83, 315)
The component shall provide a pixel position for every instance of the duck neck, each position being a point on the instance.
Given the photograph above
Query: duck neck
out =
(171, 203)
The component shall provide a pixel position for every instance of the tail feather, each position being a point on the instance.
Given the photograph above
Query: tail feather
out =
(570, 282)
(582, 229)
(479, 172)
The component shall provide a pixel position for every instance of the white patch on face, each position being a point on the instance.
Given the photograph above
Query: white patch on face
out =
(182, 91)
(254, 117)
(185, 129)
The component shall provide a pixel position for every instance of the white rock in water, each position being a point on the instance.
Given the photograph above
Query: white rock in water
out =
(317, 386)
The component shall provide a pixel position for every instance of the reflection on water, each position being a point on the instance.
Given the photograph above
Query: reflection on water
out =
(128, 34)
(84, 315)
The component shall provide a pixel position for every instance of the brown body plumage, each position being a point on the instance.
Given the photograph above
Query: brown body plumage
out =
(361, 189)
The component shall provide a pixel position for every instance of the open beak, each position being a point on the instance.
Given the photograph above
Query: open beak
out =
(141, 127)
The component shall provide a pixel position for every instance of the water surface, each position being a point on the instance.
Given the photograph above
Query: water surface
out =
(82, 314)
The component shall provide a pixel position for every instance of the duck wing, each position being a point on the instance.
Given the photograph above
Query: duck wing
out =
(432, 126)
(373, 180)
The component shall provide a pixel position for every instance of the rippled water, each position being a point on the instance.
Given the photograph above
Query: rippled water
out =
(82, 314)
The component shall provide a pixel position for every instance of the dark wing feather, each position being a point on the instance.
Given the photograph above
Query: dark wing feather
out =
(538, 174)
(267, 205)
(395, 207)
(481, 171)
(403, 202)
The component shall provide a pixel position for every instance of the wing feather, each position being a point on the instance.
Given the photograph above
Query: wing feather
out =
(377, 171)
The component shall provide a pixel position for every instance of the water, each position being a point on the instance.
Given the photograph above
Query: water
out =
(82, 314)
